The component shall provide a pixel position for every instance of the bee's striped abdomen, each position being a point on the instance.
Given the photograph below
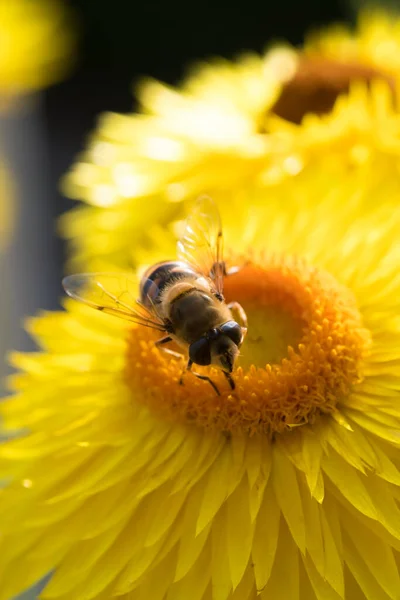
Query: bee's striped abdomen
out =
(158, 276)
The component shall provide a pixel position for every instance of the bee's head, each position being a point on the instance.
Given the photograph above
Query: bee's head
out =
(224, 353)
(219, 347)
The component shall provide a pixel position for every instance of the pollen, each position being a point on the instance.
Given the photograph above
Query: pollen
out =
(302, 355)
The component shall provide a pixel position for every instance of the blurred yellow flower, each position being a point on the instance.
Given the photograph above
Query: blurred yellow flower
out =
(35, 46)
(131, 486)
(359, 138)
(140, 168)
(375, 43)
(233, 129)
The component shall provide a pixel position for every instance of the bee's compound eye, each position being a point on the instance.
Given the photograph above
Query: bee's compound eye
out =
(199, 352)
(233, 331)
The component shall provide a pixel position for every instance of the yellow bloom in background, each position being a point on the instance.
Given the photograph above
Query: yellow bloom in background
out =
(129, 485)
(359, 139)
(231, 129)
(140, 169)
(375, 43)
(35, 42)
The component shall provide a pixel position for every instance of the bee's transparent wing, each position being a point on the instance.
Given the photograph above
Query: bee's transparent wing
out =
(113, 293)
(202, 242)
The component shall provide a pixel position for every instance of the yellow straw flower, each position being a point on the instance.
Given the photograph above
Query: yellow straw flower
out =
(131, 486)
(375, 43)
(141, 168)
(231, 128)
(35, 46)
(359, 138)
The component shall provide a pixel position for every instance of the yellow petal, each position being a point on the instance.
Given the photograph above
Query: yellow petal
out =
(385, 504)
(171, 467)
(345, 444)
(142, 560)
(246, 588)
(221, 575)
(158, 580)
(386, 468)
(284, 580)
(216, 488)
(256, 491)
(321, 587)
(164, 516)
(253, 458)
(314, 537)
(349, 483)
(284, 478)
(195, 582)
(265, 539)
(362, 574)
(191, 544)
(386, 433)
(333, 558)
(16, 582)
(192, 472)
(312, 454)
(115, 558)
(239, 530)
(80, 559)
(375, 554)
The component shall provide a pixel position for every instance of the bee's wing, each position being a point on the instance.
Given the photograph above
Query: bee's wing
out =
(202, 242)
(114, 294)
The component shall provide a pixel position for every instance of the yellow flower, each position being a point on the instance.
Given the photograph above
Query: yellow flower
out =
(130, 486)
(230, 131)
(374, 44)
(334, 58)
(359, 138)
(35, 46)
(141, 168)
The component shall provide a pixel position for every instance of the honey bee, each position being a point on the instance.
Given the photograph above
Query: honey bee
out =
(182, 299)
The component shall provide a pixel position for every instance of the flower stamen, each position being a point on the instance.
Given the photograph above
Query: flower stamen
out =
(302, 356)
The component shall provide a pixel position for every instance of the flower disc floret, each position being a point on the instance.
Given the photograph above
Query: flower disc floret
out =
(278, 385)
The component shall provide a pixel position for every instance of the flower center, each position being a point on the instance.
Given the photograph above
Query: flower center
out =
(302, 354)
(316, 84)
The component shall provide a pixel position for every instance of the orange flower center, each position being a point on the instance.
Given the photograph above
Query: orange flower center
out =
(302, 355)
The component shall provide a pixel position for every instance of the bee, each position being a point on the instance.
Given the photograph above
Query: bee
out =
(182, 299)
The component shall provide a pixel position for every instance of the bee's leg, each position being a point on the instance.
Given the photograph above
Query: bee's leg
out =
(235, 306)
(203, 377)
(165, 340)
(188, 368)
(230, 379)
